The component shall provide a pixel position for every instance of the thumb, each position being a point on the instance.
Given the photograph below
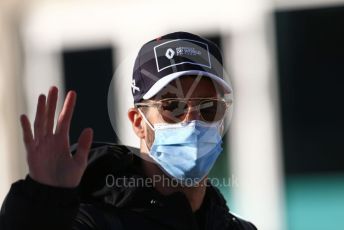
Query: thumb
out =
(84, 144)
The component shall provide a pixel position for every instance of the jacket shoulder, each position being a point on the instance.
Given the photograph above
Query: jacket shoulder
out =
(235, 219)
(244, 224)
(104, 159)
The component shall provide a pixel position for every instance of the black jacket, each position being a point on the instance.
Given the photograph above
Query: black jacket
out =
(102, 201)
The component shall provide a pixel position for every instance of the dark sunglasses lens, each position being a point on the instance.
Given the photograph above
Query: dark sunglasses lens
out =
(212, 110)
(174, 111)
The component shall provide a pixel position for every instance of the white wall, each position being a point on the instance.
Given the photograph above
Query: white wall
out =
(12, 163)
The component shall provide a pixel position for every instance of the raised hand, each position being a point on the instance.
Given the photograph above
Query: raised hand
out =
(49, 158)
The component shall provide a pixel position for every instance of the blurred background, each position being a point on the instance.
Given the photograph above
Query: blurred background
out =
(284, 152)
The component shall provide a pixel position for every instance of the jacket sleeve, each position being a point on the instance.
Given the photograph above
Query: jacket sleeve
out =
(32, 205)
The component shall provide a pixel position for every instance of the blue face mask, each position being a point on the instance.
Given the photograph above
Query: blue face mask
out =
(186, 151)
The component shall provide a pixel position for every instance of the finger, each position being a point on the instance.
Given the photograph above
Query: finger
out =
(40, 118)
(84, 144)
(27, 131)
(51, 108)
(66, 114)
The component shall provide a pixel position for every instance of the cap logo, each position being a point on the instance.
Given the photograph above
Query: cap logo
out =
(169, 53)
(181, 51)
(187, 51)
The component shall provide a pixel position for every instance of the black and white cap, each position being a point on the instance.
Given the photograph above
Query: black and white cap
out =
(171, 56)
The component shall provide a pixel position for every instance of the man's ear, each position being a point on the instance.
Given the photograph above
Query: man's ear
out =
(136, 119)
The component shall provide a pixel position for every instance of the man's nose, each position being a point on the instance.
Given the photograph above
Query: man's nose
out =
(193, 113)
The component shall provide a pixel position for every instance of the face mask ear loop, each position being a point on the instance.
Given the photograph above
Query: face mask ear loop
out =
(148, 123)
(221, 126)
(145, 119)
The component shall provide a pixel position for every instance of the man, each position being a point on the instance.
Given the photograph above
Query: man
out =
(178, 114)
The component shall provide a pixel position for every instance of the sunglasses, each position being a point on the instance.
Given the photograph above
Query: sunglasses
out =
(175, 110)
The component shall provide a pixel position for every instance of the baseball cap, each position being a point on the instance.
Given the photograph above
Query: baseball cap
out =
(171, 56)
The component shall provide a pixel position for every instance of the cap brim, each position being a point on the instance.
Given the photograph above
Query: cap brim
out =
(160, 84)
